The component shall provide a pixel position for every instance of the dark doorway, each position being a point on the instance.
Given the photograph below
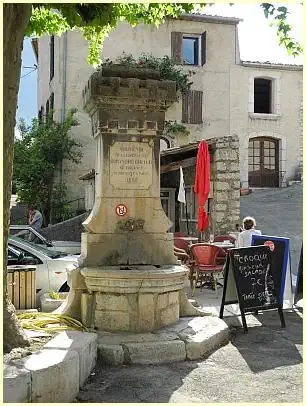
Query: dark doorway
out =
(263, 162)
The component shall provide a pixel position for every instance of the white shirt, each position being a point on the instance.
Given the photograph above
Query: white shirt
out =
(245, 237)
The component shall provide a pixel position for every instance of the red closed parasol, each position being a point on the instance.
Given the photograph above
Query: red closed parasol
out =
(202, 184)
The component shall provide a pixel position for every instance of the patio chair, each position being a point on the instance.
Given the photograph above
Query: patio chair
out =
(204, 264)
(181, 254)
(181, 243)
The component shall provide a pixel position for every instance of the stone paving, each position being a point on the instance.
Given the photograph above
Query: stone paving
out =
(264, 365)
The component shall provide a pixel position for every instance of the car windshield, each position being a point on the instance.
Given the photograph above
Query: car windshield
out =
(46, 251)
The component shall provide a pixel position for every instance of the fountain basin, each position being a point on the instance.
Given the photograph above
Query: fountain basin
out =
(139, 298)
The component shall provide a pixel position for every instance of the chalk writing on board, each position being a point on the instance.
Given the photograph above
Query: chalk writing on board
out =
(253, 277)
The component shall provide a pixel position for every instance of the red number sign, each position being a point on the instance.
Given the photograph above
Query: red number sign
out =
(270, 244)
(121, 210)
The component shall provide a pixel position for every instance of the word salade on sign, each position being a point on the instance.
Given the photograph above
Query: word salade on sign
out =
(250, 281)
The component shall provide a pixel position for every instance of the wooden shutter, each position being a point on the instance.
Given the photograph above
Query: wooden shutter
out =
(51, 57)
(176, 46)
(185, 109)
(203, 48)
(192, 103)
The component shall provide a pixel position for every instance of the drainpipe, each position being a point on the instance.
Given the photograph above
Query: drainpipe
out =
(65, 45)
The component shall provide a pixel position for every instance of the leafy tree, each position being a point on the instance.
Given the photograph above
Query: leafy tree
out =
(95, 21)
(37, 153)
(278, 17)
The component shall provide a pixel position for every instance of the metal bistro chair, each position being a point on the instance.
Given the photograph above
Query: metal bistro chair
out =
(181, 243)
(221, 256)
(205, 264)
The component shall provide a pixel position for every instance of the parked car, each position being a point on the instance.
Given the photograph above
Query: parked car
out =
(30, 234)
(50, 264)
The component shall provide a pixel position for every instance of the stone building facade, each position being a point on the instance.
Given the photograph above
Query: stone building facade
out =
(259, 104)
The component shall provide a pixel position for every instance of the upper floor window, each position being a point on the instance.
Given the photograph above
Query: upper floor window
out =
(188, 49)
(51, 57)
(262, 96)
(191, 50)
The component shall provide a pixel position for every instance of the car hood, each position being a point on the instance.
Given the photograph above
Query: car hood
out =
(68, 258)
(66, 243)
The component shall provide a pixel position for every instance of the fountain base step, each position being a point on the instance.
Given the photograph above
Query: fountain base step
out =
(189, 338)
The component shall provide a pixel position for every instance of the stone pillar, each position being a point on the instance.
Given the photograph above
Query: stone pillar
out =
(227, 184)
(127, 224)
(132, 277)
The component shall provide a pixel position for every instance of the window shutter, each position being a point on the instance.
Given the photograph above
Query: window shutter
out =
(47, 108)
(203, 48)
(197, 98)
(185, 109)
(176, 46)
(192, 103)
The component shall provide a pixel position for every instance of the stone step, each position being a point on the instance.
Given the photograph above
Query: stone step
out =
(190, 338)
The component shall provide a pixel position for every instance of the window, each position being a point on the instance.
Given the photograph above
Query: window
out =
(47, 108)
(41, 117)
(192, 107)
(51, 57)
(188, 49)
(263, 96)
(51, 104)
(192, 205)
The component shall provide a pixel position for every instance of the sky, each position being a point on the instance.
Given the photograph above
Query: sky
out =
(258, 42)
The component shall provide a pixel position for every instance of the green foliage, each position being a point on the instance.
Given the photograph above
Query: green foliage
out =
(280, 15)
(37, 154)
(172, 128)
(96, 21)
(165, 66)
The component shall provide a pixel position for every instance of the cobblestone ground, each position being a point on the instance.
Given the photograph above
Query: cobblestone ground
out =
(278, 212)
(264, 365)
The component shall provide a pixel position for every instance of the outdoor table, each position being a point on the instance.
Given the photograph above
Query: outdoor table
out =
(190, 240)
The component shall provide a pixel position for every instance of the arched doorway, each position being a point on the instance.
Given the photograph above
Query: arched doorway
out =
(263, 162)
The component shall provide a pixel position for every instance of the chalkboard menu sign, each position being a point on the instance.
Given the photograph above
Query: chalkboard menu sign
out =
(249, 281)
(299, 282)
(280, 264)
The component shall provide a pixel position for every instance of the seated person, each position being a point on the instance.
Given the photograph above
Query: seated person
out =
(245, 237)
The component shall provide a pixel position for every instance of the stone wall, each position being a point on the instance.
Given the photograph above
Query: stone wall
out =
(226, 196)
(69, 230)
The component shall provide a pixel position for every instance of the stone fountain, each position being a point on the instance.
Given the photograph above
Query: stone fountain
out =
(128, 279)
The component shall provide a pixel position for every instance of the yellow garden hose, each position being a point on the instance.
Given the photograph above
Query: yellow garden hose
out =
(44, 322)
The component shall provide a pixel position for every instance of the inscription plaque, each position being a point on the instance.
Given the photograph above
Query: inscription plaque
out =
(130, 165)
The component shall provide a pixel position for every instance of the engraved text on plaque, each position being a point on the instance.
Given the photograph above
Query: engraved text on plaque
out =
(130, 165)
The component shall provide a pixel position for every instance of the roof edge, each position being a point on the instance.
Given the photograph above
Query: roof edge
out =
(271, 65)
(209, 19)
